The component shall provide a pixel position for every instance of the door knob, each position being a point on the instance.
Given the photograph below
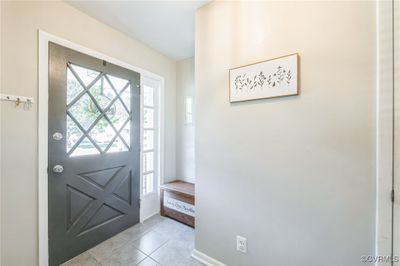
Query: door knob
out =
(58, 169)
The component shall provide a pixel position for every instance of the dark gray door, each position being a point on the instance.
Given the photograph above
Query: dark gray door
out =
(94, 152)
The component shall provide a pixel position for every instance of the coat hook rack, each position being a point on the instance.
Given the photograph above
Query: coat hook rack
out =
(25, 101)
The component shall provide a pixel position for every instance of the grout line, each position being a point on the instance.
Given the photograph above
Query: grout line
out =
(155, 260)
(159, 247)
(140, 235)
(150, 231)
(140, 261)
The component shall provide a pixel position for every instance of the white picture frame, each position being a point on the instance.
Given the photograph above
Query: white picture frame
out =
(271, 78)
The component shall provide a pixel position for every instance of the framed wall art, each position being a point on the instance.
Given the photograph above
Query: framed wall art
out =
(267, 79)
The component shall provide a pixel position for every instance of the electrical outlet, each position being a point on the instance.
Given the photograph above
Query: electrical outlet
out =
(241, 244)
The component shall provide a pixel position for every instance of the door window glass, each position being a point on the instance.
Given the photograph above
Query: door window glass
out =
(85, 147)
(118, 83)
(85, 75)
(148, 161)
(74, 134)
(148, 118)
(148, 183)
(148, 140)
(102, 92)
(98, 112)
(148, 96)
(73, 86)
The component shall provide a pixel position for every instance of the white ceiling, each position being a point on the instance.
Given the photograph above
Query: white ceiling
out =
(167, 26)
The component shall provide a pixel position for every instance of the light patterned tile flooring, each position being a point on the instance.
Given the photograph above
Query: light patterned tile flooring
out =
(158, 241)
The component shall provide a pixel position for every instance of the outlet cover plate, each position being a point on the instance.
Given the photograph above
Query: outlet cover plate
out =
(241, 244)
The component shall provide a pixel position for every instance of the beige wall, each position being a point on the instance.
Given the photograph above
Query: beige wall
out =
(20, 22)
(184, 132)
(294, 175)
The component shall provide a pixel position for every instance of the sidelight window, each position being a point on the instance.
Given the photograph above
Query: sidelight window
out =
(150, 135)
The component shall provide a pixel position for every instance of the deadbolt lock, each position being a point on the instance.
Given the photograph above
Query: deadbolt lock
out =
(58, 169)
(57, 136)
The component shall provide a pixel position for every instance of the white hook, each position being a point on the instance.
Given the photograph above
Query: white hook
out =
(28, 104)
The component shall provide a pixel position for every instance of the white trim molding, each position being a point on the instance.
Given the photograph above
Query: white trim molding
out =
(43, 97)
(143, 219)
(396, 156)
(44, 39)
(205, 259)
(385, 129)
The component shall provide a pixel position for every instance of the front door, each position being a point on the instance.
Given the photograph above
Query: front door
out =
(94, 151)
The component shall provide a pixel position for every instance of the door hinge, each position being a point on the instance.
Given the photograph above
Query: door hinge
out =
(392, 195)
(140, 203)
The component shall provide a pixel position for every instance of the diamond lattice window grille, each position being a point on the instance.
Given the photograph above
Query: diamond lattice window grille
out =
(98, 112)
(118, 83)
(86, 75)
(74, 133)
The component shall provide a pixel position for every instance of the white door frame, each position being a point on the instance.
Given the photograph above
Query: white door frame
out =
(396, 159)
(44, 39)
(385, 130)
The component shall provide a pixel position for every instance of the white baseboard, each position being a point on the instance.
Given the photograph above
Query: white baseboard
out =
(147, 217)
(205, 259)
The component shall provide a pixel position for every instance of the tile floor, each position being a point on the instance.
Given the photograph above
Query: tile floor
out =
(158, 241)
